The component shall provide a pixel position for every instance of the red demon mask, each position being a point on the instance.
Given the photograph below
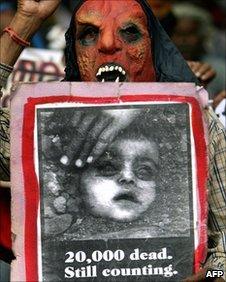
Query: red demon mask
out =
(113, 42)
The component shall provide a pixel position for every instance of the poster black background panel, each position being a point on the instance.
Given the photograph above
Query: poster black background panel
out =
(127, 215)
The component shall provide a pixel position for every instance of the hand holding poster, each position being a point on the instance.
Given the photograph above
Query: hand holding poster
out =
(113, 186)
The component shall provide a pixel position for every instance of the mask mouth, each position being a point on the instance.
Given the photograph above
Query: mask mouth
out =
(126, 197)
(111, 72)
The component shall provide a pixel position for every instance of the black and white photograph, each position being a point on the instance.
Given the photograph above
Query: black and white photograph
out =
(116, 192)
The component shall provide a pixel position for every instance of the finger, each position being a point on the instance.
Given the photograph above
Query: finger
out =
(208, 75)
(76, 118)
(197, 71)
(79, 135)
(204, 67)
(195, 66)
(92, 139)
(105, 138)
(200, 69)
(191, 64)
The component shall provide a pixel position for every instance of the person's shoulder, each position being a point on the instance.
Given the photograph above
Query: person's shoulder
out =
(216, 133)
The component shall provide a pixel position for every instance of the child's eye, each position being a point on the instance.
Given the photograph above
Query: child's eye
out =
(145, 173)
(107, 169)
(88, 35)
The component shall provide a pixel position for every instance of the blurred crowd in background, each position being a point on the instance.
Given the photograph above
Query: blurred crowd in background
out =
(197, 27)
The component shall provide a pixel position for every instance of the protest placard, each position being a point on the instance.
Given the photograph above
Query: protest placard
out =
(113, 185)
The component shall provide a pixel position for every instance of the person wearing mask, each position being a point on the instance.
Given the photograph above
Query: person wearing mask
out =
(127, 36)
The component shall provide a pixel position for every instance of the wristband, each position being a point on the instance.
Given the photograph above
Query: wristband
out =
(16, 37)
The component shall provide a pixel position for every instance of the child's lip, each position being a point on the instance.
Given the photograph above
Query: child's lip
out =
(126, 197)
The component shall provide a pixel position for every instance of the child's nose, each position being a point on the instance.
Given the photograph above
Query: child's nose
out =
(126, 177)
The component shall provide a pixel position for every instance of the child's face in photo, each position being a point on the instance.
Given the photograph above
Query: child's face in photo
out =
(121, 184)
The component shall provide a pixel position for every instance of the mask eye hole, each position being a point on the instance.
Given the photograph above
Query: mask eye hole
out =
(88, 35)
(130, 33)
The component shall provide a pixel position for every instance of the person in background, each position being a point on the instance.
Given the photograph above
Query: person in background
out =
(191, 35)
(178, 22)
(217, 10)
(101, 44)
(162, 9)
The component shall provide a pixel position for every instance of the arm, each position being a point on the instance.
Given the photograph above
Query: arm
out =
(27, 20)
